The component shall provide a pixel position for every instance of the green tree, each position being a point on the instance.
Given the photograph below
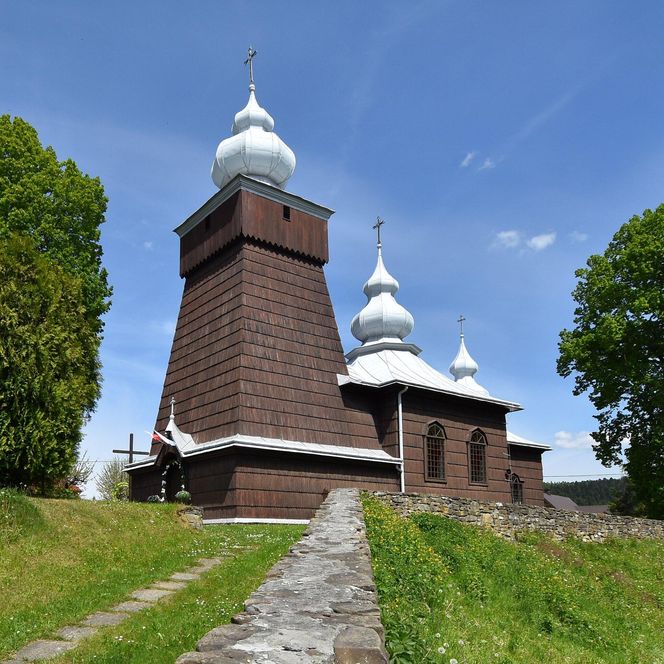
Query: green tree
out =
(53, 293)
(110, 476)
(47, 354)
(617, 352)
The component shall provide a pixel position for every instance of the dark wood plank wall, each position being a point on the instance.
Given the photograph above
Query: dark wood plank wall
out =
(459, 419)
(527, 464)
(281, 486)
(256, 348)
(248, 215)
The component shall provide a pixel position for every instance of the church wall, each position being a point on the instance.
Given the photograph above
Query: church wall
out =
(459, 419)
(527, 464)
(259, 484)
(256, 349)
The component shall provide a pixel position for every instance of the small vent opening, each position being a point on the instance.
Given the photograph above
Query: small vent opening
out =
(287, 212)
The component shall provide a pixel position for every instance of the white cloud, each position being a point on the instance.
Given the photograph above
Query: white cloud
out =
(578, 236)
(508, 239)
(487, 164)
(467, 159)
(540, 242)
(573, 441)
(147, 245)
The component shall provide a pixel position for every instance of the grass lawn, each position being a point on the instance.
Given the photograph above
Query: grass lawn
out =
(64, 559)
(450, 592)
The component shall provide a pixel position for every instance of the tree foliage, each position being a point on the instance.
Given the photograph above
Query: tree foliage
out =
(617, 352)
(588, 492)
(111, 475)
(53, 292)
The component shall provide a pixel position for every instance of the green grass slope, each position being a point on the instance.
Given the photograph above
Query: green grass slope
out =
(64, 559)
(450, 592)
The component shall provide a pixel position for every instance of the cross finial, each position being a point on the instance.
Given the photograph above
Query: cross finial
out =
(376, 227)
(251, 54)
(461, 319)
(172, 406)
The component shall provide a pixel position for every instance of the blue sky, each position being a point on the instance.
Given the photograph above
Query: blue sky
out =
(503, 143)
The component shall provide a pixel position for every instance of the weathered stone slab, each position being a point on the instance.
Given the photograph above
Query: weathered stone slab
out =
(359, 645)
(150, 594)
(184, 576)
(104, 619)
(131, 606)
(169, 585)
(76, 633)
(43, 649)
(208, 563)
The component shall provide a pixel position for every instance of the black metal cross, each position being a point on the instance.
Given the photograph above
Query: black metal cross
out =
(251, 54)
(131, 451)
(376, 227)
(460, 321)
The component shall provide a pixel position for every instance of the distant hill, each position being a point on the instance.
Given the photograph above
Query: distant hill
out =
(588, 492)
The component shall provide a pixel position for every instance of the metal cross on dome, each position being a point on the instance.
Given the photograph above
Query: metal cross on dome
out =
(376, 227)
(251, 54)
(461, 319)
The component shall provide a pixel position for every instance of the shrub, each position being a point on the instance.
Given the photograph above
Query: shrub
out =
(154, 498)
(183, 497)
(121, 490)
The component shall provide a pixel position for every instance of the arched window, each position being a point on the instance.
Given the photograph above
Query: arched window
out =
(477, 457)
(517, 489)
(434, 450)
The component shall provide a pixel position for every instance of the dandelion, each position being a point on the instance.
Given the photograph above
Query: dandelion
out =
(462, 642)
(454, 661)
(437, 635)
(441, 650)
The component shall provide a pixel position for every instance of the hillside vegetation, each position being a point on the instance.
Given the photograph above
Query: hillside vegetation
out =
(451, 592)
(64, 559)
(589, 492)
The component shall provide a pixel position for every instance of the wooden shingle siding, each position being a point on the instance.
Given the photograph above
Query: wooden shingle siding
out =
(256, 349)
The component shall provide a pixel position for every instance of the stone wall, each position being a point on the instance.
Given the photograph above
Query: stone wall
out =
(318, 604)
(508, 519)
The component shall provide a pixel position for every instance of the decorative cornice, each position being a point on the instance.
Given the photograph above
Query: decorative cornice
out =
(382, 345)
(245, 183)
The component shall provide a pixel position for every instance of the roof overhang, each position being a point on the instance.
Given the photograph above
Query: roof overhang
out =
(520, 441)
(242, 441)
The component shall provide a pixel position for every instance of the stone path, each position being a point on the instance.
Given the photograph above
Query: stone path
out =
(318, 604)
(71, 635)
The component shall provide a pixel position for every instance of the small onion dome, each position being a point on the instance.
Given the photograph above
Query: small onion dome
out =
(383, 318)
(464, 368)
(253, 149)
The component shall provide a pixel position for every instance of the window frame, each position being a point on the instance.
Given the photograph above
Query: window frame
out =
(481, 447)
(441, 440)
(515, 481)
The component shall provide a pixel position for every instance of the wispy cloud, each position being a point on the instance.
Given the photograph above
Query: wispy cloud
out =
(487, 164)
(507, 239)
(468, 159)
(573, 441)
(544, 116)
(578, 237)
(148, 244)
(540, 242)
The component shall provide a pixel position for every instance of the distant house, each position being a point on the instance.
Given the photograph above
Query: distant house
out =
(565, 503)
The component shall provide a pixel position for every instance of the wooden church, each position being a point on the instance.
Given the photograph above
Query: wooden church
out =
(270, 413)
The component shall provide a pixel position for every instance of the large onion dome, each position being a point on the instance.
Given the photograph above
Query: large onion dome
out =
(253, 149)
